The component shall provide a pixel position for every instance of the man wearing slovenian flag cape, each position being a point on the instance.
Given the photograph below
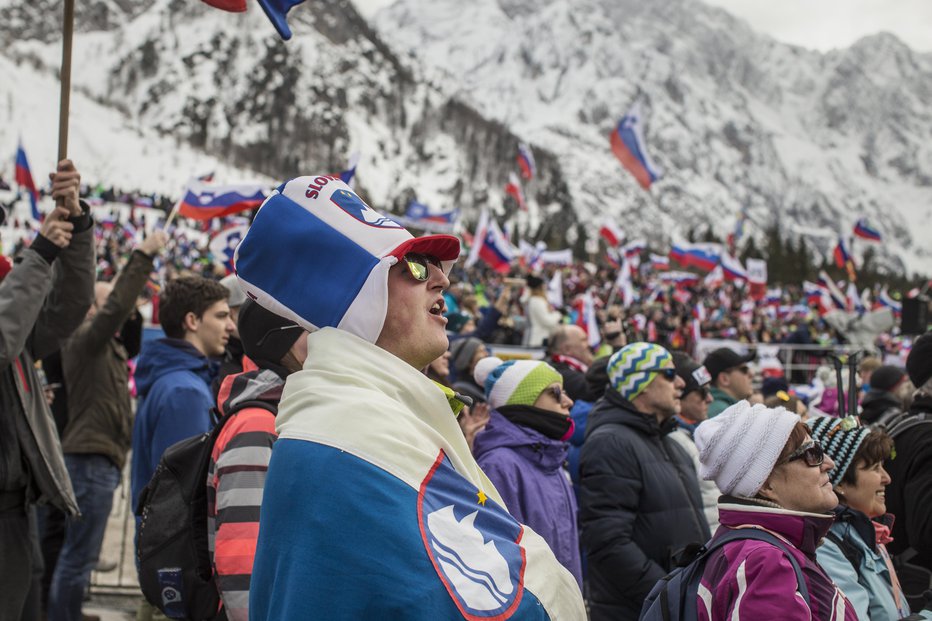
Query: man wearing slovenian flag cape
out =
(374, 506)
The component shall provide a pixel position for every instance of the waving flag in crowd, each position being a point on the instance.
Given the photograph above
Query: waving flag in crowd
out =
(627, 141)
(586, 319)
(25, 182)
(704, 256)
(659, 262)
(203, 201)
(418, 215)
(490, 245)
(843, 258)
(276, 10)
(837, 297)
(347, 175)
(865, 231)
(526, 161)
(611, 233)
(886, 300)
(732, 268)
(513, 189)
(223, 245)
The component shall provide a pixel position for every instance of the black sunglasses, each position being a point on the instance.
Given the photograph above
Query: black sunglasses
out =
(419, 265)
(704, 392)
(811, 451)
(668, 372)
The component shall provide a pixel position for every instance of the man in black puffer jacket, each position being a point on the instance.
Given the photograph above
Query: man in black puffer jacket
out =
(640, 504)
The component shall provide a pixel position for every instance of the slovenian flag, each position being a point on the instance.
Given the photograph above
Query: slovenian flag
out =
(276, 10)
(24, 181)
(659, 262)
(202, 201)
(679, 279)
(223, 245)
(513, 189)
(886, 300)
(347, 175)
(627, 141)
(732, 268)
(490, 245)
(865, 231)
(704, 256)
(611, 233)
(843, 258)
(419, 212)
(834, 293)
(526, 161)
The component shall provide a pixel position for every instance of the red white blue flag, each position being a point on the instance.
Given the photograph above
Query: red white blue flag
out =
(843, 258)
(25, 182)
(526, 161)
(513, 189)
(865, 231)
(732, 268)
(276, 10)
(659, 262)
(490, 245)
(704, 256)
(884, 299)
(611, 233)
(628, 145)
(203, 201)
(223, 245)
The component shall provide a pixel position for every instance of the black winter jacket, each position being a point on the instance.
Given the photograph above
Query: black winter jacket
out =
(910, 491)
(639, 505)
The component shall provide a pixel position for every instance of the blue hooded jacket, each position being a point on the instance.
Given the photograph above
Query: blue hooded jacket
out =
(173, 379)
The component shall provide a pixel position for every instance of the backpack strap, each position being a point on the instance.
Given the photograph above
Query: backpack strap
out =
(757, 534)
(907, 422)
(852, 554)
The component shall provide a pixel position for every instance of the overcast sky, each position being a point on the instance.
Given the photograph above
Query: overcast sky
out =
(817, 24)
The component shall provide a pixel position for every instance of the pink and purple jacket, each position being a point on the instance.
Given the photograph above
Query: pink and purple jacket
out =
(754, 580)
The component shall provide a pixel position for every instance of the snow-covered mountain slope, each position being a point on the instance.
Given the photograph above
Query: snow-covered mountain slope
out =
(735, 118)
(435, 96)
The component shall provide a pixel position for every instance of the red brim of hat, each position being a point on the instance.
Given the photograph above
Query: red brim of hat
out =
(443, 247)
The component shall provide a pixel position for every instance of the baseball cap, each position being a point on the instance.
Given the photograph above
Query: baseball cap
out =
(318, 254)
(723, 359)
(694, 374)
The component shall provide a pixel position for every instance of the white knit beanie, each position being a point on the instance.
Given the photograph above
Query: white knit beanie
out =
(739, 448)
(516, 382)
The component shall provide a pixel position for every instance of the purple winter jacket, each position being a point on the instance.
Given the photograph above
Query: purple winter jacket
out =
(754, 580)
(526, 468)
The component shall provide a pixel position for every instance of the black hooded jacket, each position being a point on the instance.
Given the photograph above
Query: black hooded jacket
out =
(639, 505)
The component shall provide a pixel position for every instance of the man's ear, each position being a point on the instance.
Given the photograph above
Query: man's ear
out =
(191, 322)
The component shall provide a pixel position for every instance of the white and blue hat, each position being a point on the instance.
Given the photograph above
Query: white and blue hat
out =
(317, 254)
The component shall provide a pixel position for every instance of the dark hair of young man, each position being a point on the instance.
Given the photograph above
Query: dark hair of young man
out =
(189, 294)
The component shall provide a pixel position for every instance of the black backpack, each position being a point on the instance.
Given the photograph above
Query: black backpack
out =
(172, 553)
(674, 596)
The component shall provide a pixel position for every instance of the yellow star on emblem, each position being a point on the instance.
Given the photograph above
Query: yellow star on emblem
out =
(482, 497)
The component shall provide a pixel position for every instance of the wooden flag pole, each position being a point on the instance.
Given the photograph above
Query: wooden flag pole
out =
(65, 81)
(65, 98)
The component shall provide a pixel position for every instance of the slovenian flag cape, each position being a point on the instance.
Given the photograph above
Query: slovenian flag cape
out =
(374, 507)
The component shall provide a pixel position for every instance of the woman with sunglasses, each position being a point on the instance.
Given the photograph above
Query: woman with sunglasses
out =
(774, 478)
(524, 446)
(854, 552)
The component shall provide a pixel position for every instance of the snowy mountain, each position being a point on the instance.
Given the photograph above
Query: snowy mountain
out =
(435, 95)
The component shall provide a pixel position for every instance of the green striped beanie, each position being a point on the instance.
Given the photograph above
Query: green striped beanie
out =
(515, 382)
(626, 367)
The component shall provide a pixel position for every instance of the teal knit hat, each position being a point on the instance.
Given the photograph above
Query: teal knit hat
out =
(633, 367)
(840, 439)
